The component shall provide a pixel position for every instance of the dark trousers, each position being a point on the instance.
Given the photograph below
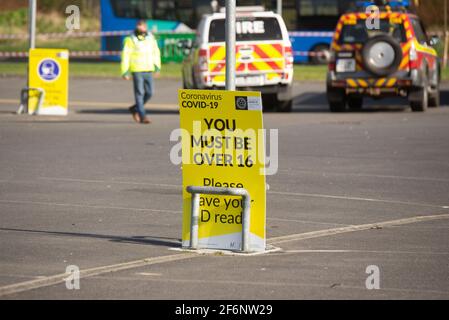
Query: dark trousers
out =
(143, 90)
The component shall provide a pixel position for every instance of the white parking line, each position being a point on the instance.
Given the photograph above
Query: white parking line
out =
(59, 278)
(328, 196)
(380, 176)
(85, 206)
(314, 195)
(53, 280)
(362, 227)
(113, 182)
(309, 222)
(368, 251)
(149, 274)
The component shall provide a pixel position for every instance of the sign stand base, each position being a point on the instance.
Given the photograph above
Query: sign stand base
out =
(212, 252)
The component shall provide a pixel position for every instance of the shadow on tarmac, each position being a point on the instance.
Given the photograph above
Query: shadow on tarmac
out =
(148, 240)
(150, 111)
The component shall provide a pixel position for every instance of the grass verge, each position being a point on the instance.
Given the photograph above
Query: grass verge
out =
(171, 70)
(103, 69)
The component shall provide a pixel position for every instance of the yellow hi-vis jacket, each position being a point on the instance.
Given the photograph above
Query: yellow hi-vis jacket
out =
(140, 55)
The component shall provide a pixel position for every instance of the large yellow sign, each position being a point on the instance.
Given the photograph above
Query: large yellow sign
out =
(49, 70)
(223, 145)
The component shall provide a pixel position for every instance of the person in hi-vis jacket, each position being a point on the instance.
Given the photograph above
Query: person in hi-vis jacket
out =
(140, 58)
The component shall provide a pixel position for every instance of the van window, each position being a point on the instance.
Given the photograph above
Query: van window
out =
(247, 29)
(419, 31)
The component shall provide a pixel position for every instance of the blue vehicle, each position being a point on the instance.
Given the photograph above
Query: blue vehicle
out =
(311, 24)
(170, 20)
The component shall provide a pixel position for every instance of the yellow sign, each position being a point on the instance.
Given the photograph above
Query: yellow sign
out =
(223, 145)
(49, 70)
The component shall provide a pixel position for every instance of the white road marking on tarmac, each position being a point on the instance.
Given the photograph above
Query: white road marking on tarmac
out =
(149, 274)
(328, 196)
(314, 195)
(59, 278)
(367, 175)
(84, 206)
(362, 227)
(309, 222)
(53, 280)
(112, 182)
(145, 210)
(367, 251)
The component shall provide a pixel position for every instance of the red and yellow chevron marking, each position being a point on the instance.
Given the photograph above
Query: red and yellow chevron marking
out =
(267, 57)
(405, 63)
(217, 59)
(371, 83)
(264, 57)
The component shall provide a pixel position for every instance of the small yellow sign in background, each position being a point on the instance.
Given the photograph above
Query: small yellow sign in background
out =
(48, 69)
(223, 145)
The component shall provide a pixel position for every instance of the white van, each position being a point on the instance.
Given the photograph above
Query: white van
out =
(264, 58)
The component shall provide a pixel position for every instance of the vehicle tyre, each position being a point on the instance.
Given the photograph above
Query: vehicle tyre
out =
(419, 97)
(336, 99)
(434, 94)
(382, 55)
(269, 102)
(321, 53)
(355, 103)
(284, 106)
(434, 98)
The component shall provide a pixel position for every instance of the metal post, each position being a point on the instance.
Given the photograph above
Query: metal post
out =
(32, 22)
(195, 221)
(446, 36)
(230, 44)
(246, 211)
(279, 7)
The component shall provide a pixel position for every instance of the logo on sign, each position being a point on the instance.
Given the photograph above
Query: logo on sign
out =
(48, 70)
(241, 103)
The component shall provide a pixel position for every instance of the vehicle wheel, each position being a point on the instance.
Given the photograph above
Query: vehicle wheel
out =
(419, 98)
(284, 106)
(434, 98)
(355, 103)
(336, 99)
(321, 53)
(269, 102)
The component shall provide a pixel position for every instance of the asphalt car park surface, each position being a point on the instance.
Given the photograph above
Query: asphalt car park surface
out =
(96, 190)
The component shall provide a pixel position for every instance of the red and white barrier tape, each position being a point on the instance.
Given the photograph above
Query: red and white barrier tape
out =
(307, 34)
(310, 54)
(311, 34)
(13, 54)
(81, 54)
(76, 54)
(67, 35)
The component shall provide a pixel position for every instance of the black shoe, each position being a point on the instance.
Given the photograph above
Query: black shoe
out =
(134, 113)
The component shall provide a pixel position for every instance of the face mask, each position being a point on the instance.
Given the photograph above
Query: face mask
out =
(140, 33)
